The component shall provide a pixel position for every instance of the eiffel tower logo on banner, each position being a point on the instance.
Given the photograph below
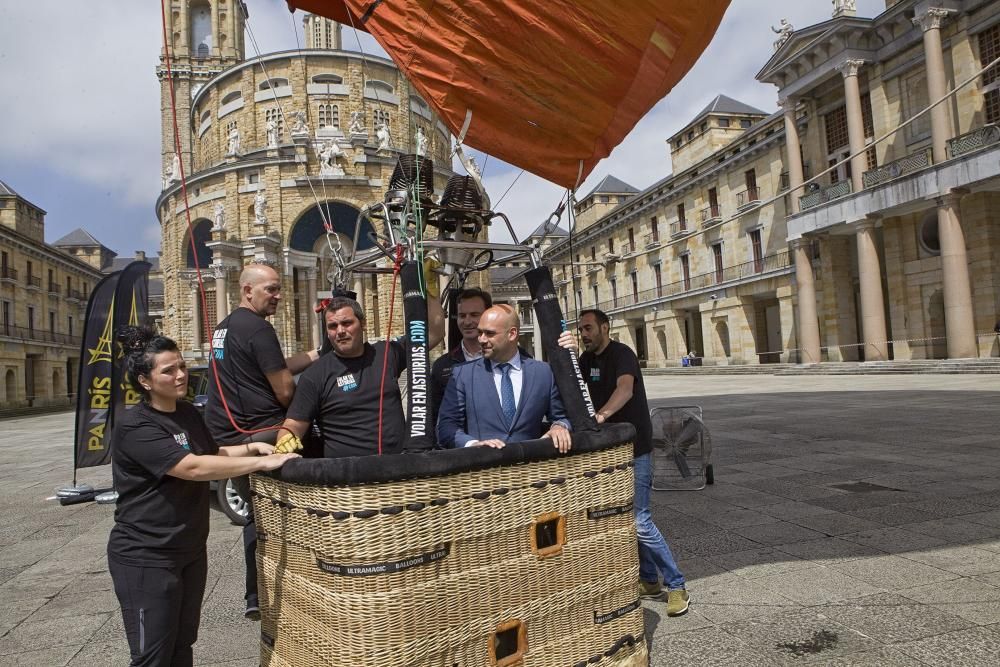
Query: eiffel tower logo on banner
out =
(103, 350)
(133, 321)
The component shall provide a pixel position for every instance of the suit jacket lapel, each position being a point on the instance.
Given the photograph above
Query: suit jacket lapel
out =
(491, 394)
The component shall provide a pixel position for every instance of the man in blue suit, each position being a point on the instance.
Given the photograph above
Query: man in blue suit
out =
(503, 396)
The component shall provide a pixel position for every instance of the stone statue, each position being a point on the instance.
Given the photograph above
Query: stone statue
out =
(220, 217)
(473, 168)
(783, 31)
(384, 140)
(420, 141)
(272, 133)
(329, 153)
(301, 126)
(260, 207)
(234, 142)
(175, 168)
(357, 123)
(843, 7)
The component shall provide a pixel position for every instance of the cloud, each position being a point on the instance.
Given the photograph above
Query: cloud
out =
(82, 104)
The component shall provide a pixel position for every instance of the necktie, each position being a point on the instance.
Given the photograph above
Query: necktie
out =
(507, 394)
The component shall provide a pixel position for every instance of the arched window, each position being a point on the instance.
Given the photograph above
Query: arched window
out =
(381, 86)
(329, 116)
(232, 97)
(201, 29)
(328, 78)
(276, 116)
(273, 83)
(380, 117)
(202, 234)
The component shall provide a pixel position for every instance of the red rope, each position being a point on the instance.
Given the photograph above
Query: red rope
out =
(194, 249)
(388, 342)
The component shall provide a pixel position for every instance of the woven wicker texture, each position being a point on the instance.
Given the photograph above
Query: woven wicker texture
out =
(427, 571)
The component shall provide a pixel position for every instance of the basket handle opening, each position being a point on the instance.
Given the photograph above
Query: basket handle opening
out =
(509, 644)
(548, 534)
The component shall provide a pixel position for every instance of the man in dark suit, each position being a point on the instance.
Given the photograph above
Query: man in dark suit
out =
(502, 397)
(470, 304)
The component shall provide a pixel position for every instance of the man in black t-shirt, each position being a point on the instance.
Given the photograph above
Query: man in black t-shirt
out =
(345, 391)
(611, 370)
(257, 385)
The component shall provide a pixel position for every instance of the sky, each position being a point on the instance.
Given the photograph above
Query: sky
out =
(80, 116)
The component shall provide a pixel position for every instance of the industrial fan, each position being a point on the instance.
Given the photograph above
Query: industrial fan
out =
(682, 449)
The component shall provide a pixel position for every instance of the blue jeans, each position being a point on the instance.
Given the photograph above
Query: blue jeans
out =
(654, 554)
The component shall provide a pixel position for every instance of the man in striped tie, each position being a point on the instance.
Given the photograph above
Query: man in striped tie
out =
(502, 397)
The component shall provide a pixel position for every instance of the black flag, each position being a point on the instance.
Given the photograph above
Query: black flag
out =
(131, 308)
(94, 393)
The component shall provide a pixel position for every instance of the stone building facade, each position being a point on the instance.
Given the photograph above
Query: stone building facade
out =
(271, 148)
(43, 301)
(791, 257)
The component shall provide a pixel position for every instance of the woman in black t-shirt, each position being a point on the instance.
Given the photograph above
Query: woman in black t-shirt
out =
(163, 459)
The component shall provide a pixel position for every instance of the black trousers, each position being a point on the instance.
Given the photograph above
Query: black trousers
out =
(161, 607)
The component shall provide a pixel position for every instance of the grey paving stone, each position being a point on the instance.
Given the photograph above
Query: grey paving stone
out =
(969, 598)
(27, 587)
(780, 532)
(668, 625)
(227, 643)
(78, 604)
(793, 490)
(829, 550)
(835, 523)
(891, 515)
(962, 560)
(942, 508)
(801, 635)
(710, 646)
(789, 511)
(51, 632)
(817, 585)
(760, 562)
(884, 657)
(738, 518)
(58, 656)
(893, 573)
(710, 543)
(964, 648)
(893, 540)
(953, 530)
(894, 619)
(12, 612)
(102, 652)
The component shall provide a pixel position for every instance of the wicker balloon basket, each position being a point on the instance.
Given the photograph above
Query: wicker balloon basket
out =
(466, 559)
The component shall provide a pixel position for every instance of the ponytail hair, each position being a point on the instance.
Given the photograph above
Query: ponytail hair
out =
(139, 346)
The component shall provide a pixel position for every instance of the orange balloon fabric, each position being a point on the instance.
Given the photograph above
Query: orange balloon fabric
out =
(553, 86)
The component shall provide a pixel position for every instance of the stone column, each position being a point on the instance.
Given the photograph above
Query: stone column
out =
(221, 294)
(794, 156)
(310, 304)
(216, 47)
(930, 22)
(808, 324)
(959, 321)
(196, 321)
(873, 331)
(855, 124)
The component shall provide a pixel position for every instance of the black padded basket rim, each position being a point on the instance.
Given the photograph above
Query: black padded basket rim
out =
(438, 463)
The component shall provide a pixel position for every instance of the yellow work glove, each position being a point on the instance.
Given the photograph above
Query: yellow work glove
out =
(432, 283)
(288, 444)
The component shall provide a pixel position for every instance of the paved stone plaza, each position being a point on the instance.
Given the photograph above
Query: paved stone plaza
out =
(783, 566)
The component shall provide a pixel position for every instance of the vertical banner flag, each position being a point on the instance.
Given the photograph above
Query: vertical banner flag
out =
(94, 389)
(131, 308)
